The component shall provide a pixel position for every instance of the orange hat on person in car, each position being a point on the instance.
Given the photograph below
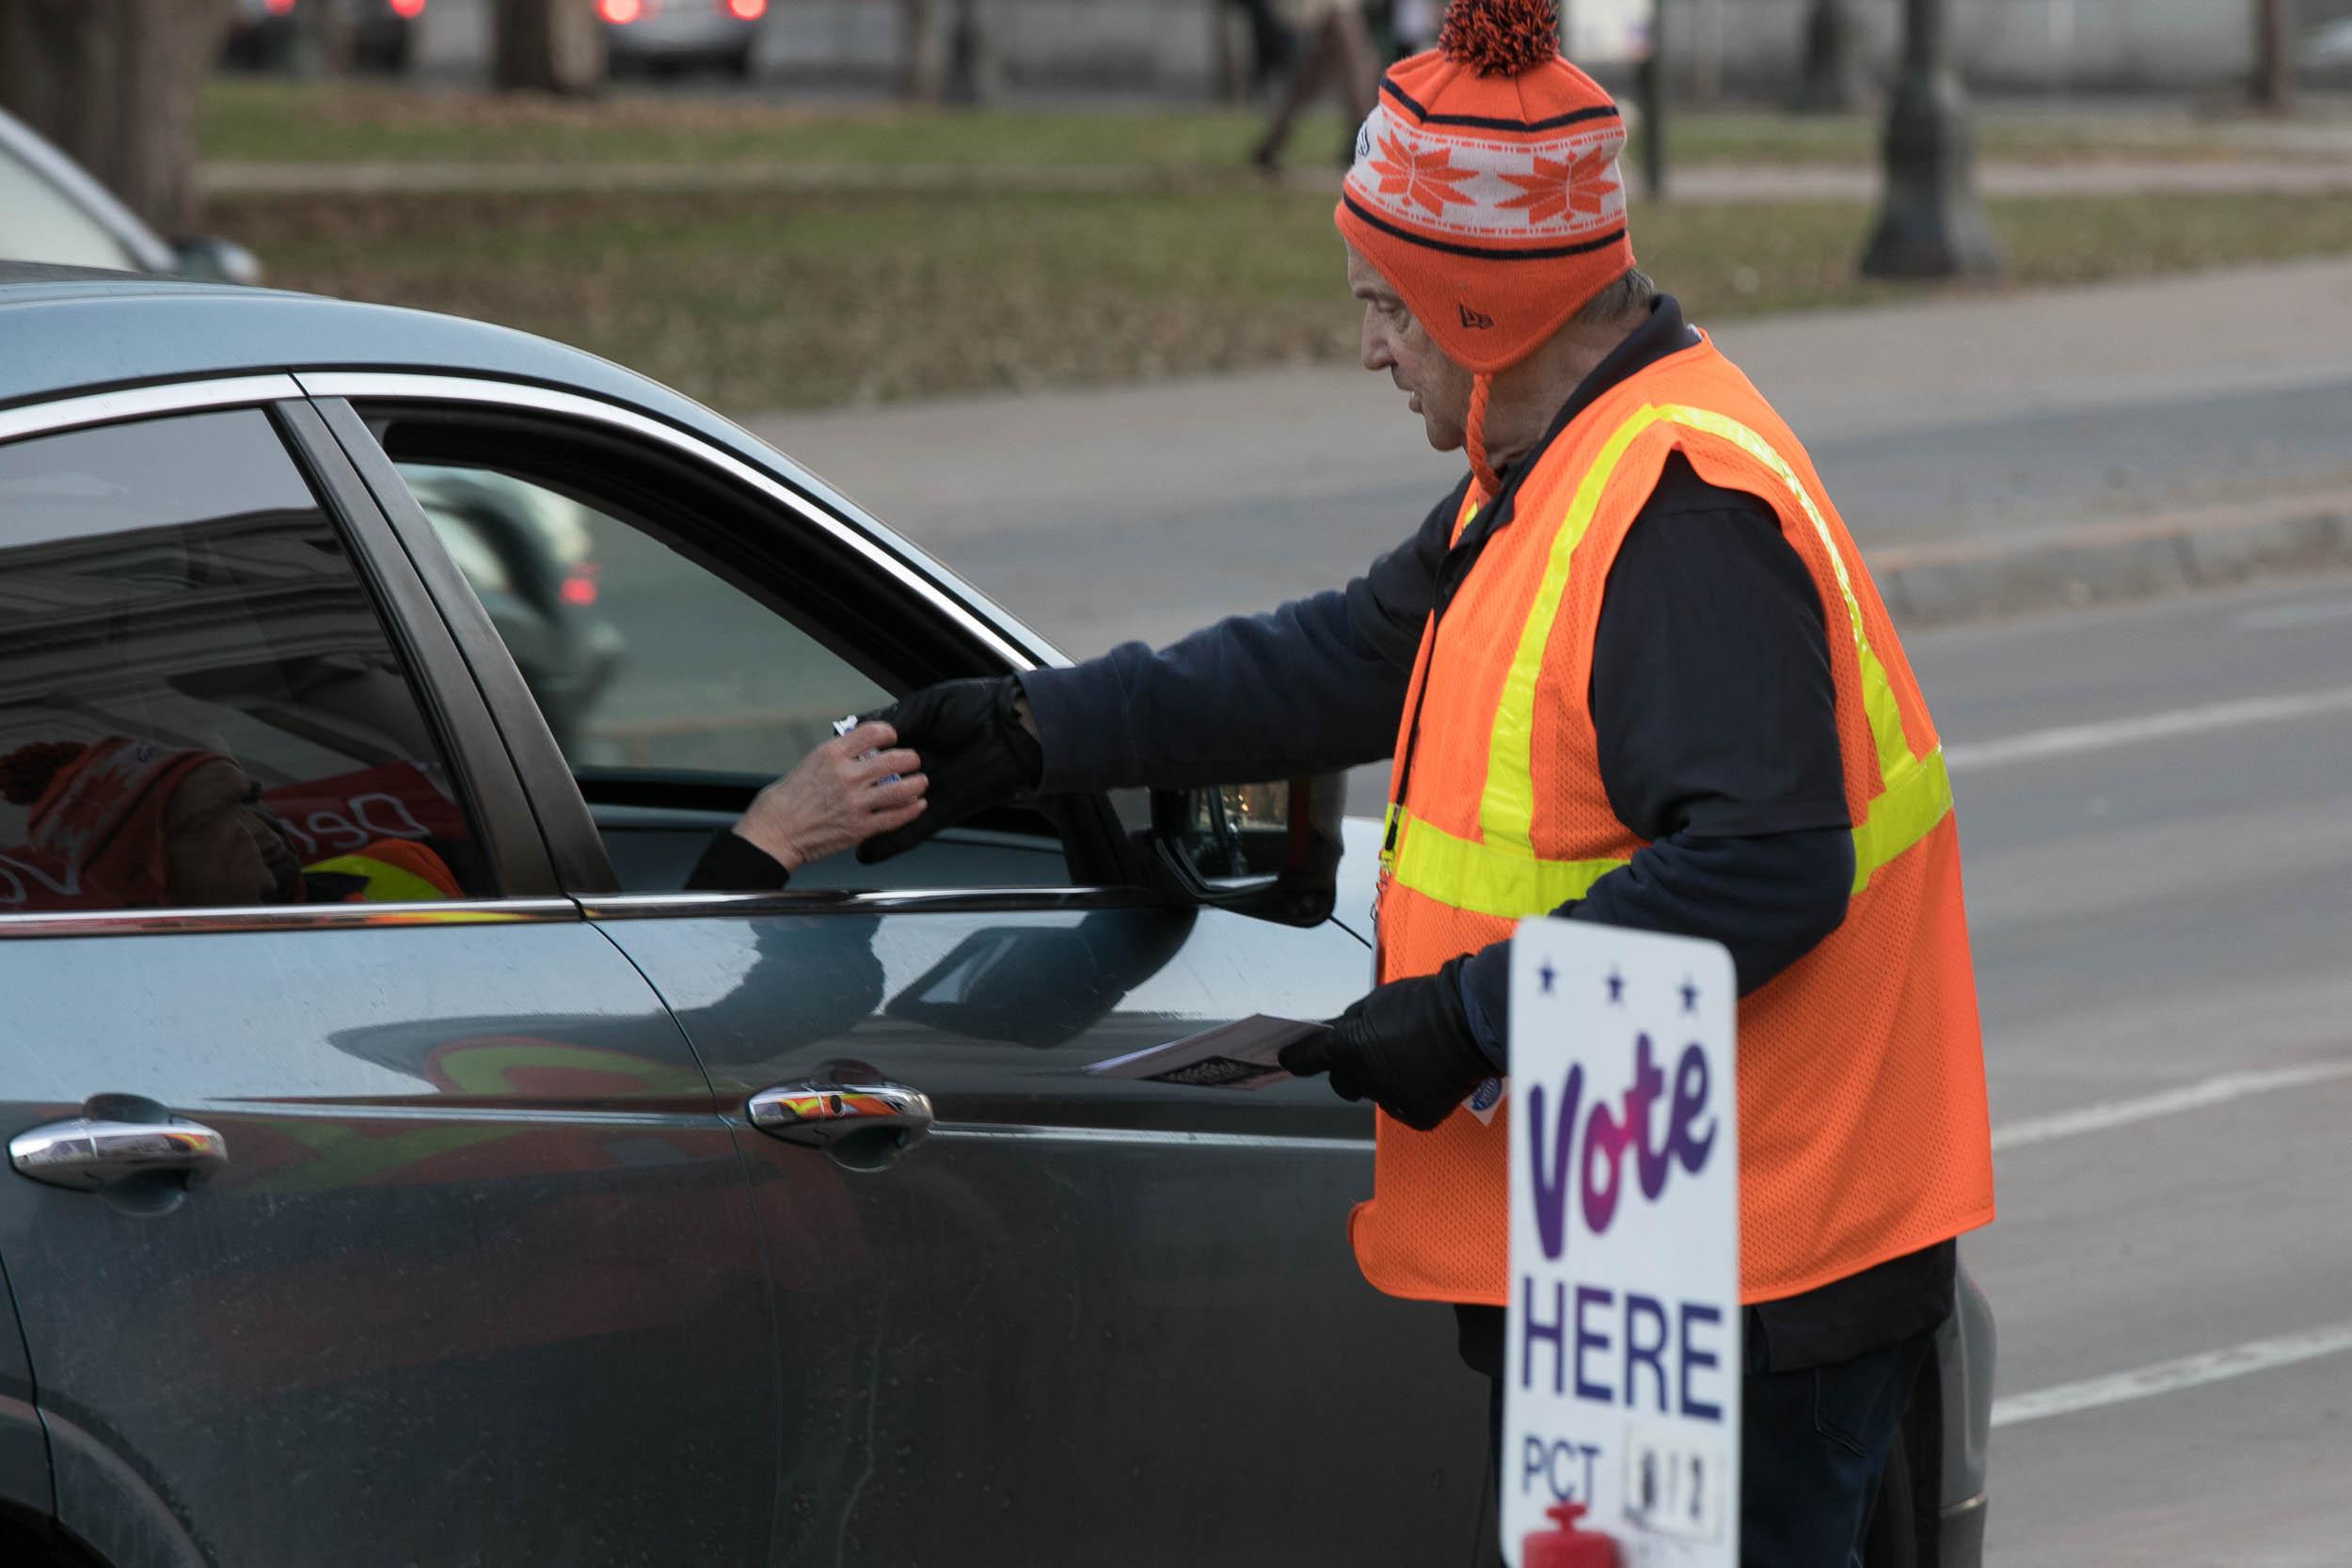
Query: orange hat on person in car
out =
(99, 813)
(1486, 188)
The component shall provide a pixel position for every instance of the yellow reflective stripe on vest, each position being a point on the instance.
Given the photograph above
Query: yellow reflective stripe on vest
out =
(1878, 694)
(1486, 878)
(1506, 808)
(1906, 811)
(1502, 876)
(385, 883)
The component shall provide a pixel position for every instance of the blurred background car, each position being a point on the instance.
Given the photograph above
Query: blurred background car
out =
(667, 35)
(375, 34)
(529, 554)
(52, 211)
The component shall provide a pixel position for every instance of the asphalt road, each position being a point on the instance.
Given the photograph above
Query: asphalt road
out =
(2156, 818)
(1105, 513)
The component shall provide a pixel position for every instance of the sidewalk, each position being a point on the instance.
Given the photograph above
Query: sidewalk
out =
(1989, 453)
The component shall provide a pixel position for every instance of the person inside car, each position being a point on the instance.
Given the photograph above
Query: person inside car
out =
(122, 823)
(131, 824)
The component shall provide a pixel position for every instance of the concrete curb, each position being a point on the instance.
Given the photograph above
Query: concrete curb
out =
(2115, 563)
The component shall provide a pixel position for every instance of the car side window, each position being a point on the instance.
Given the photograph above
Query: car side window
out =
(640, 658)
(200, 705)
(674, 689)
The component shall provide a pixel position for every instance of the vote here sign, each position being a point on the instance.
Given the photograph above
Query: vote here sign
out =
(1622, 1361)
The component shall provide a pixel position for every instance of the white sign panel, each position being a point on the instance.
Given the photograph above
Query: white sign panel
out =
(1622, 1364)
(1611, 32)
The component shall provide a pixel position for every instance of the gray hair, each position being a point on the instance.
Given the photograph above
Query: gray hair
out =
(1628, 295)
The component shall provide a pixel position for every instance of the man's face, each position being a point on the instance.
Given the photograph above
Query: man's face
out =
(225, 847)
(1393, 341)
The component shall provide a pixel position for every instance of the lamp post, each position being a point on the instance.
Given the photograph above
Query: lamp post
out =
(1932, 224)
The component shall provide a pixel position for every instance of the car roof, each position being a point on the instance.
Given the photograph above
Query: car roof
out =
(76, 330)
(79, 329)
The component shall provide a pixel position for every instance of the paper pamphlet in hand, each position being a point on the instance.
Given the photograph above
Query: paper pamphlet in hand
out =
(1238, 1056)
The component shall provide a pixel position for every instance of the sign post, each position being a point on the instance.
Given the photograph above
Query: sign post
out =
(1622, 1363)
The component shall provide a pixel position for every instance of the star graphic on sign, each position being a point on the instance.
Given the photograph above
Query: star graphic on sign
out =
(1557, 185)
(1546, 974)
(1690, 997)
(1617, 987)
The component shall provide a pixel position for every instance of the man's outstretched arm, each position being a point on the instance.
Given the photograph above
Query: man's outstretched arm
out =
(1314, 686)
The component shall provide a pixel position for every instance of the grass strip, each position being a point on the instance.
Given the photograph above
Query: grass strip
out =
(752, 304)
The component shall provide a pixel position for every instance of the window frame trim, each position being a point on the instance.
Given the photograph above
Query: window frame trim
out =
(512, 838)
(370, 385)
(452, 713)
(573, 838)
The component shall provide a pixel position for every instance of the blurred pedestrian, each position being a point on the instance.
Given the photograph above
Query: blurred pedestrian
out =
(1630, 671)
(1334, 55)
(1271, 46)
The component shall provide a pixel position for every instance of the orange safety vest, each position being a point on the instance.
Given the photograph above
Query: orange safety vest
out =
(1862, 1127)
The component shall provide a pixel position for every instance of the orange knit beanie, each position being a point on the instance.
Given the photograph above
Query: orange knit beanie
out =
(1485, 187)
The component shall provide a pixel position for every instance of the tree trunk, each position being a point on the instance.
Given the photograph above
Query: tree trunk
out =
(546, 46)
(922, 52)
(116, 84)
(2274, 52)
(1832, 79)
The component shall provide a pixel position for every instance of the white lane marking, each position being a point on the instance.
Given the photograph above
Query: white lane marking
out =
(2066, 740)
(2187, 1096)
(2162, 1377)
(2286, 616)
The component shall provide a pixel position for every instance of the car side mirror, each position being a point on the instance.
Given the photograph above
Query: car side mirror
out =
(1266, 849)
(214, 261)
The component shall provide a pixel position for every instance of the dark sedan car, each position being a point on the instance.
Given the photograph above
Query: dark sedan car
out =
(376, 34)
(411, 1168)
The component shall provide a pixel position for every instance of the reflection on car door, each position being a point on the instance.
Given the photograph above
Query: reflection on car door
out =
(356, 1231)
(1085, 1320)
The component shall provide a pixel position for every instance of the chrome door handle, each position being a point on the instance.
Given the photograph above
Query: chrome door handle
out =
(841, 1105)
(90, 1152)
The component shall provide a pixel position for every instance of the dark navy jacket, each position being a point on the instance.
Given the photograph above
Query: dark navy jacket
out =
(1711, 694)
(1712, 701)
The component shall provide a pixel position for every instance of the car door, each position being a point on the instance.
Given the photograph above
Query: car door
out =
(368, 1206)
(1085, 1318)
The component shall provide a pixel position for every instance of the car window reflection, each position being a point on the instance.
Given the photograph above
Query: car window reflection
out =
(200, 705)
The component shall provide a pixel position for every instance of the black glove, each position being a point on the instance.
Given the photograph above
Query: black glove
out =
(975, 751)
(1407, 1046)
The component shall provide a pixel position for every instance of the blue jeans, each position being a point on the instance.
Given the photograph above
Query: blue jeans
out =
(1812, 1444)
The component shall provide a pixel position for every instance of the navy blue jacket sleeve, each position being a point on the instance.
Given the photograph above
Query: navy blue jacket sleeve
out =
(1315, 685)
(1715, 711)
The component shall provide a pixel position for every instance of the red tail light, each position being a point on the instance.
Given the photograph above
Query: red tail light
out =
(408, 10)
(620, 13)
(750, 11)
(277, 7)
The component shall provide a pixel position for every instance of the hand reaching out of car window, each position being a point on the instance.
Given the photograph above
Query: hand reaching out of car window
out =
(841, 795)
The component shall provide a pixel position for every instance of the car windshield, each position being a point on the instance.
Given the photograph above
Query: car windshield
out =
(39, 223)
